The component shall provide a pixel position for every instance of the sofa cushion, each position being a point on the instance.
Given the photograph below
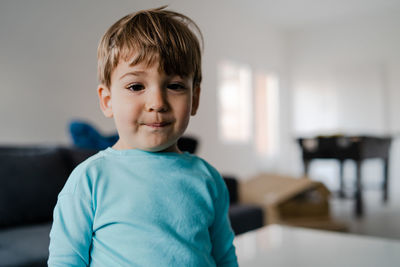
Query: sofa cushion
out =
(25, 246)
(74, 155)
(245, 217)
(233, 188)
(30, 180)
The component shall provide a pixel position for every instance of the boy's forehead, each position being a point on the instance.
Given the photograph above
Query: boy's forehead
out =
(141, 66)
(132, 57)
(147, 59)
(129, 64)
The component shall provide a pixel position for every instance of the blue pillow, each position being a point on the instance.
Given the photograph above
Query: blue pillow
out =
(84, 135)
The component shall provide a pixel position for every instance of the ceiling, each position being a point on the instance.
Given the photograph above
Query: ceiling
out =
(305, 13)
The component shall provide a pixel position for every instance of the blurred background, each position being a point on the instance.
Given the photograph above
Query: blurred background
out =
(273, 71)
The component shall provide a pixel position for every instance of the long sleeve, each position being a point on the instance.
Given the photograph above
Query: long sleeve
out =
(71, 233)
(117, 209)
(72, 229)
(221, 232)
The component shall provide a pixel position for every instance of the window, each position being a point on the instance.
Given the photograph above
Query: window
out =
(266, 114)
(234, 99)
(238, 111)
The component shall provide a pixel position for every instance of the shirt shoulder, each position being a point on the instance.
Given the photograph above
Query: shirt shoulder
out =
(198, 164)
(81, 179)
(213, 174)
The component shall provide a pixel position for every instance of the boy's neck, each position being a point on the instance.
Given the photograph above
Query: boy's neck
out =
(119, 145)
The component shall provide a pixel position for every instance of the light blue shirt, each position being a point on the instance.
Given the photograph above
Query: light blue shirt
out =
(138, 208)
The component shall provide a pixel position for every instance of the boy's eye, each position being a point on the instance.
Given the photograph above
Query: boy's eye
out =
(176, 86)
(135, 87)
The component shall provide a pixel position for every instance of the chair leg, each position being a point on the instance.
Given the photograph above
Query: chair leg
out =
(359, 201)
(341, 174)
(306, 163)
(385, 180)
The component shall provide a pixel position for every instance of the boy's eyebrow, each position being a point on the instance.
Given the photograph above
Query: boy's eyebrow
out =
(133, 73)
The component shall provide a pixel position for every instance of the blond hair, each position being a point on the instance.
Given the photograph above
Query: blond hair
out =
(149, 35)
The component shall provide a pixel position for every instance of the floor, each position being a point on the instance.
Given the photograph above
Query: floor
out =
(380, 220)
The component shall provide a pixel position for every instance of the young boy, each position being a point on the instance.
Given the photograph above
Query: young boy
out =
(143, 202)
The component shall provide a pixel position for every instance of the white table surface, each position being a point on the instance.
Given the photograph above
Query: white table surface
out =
(283, 246)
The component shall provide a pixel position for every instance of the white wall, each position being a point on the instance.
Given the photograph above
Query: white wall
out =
(346, 79)
(241, 40)
(48, 70)
(48, 74)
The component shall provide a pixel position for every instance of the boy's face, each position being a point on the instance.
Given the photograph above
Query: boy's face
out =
(151, 110)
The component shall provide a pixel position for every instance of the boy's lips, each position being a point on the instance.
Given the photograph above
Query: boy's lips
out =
(157, 124)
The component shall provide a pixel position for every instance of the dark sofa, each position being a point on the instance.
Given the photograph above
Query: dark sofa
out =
(243, 217)
(30, 180)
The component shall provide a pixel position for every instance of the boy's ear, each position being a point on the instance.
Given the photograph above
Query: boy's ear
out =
(104, 94)
(195, 99)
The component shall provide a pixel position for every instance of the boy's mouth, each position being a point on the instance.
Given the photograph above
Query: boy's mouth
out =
(157, 124)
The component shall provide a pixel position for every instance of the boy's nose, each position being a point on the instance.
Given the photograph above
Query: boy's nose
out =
(156, 101)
